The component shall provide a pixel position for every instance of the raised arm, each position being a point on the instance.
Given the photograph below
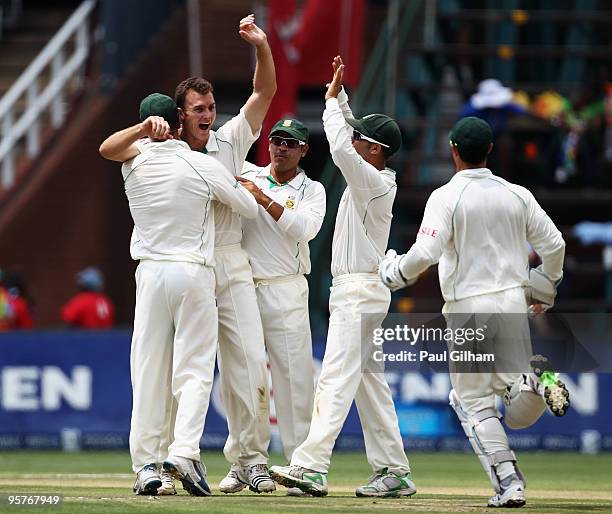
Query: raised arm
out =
(363, 178)
(264, 79)
(121, 146)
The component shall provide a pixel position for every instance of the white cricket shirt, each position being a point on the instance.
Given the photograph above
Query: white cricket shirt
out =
(170, 191)
(230, 145)
(280, 248)
(476, 226)
(364, 215)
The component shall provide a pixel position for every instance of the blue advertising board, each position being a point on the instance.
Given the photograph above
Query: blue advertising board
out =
(72, 389)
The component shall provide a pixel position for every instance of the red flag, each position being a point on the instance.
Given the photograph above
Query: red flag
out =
(282, 26)
(329, 29)
(304, 45)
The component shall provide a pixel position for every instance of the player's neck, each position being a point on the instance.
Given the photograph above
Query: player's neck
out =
(466, 166)
(195, 143)
(376, 160)
(284, 176)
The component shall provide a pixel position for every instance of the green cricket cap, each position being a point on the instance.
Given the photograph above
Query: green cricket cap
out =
(157, 104)
(292, 127)
(471, 136)
(381, 128)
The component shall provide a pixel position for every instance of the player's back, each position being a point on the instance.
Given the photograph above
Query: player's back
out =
(487, 248)
(170, 202)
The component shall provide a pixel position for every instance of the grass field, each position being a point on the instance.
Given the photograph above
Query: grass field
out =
(447, 482)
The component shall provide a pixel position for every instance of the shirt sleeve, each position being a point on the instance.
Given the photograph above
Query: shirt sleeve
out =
(433, 235)
(304, 223)
(364, 180)
(226, 189)
(545, 238)
(238, 133)
(343, 103)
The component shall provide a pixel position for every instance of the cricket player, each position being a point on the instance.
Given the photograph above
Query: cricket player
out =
(360, 148)
(476, 228)
(291, 212)
(241, 354)
(172, 193)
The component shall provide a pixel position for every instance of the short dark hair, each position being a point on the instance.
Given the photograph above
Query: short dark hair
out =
(197, 84)
(473, 155)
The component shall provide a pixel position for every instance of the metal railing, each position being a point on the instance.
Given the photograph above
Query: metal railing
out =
(65, 63)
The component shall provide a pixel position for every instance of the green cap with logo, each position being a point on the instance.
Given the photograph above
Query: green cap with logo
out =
(292, 127)
(381, 128)
(157, 104)
(471, 136)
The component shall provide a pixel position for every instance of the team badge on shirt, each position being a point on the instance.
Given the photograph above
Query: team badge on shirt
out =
(290, 202)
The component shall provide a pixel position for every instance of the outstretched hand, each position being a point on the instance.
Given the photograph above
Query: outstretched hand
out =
(335, 86)
(250, 32)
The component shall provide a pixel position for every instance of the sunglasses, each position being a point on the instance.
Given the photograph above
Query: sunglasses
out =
(358, 136)
(289, 142)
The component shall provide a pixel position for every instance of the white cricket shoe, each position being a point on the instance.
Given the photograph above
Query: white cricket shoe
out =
(167, 487)
(308, 480)
(231, 483)
(386, 484)
(147, 480)
(257, 477)
(511, 497)
(191, 473)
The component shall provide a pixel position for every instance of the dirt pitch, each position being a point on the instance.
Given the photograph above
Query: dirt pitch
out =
(557, 483)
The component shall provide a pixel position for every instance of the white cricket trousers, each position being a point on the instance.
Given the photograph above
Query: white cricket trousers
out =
(242, 360)
(342, 380)
(173, 350)
(512, 342)
(283, 304)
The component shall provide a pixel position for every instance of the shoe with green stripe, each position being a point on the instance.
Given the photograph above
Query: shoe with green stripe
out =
(550, 386)
(385, 484)
(309, 481)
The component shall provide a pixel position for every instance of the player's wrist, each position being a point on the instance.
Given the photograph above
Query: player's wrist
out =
(141, 130)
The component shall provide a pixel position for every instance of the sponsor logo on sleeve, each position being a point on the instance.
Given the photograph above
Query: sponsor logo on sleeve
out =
(427, 231)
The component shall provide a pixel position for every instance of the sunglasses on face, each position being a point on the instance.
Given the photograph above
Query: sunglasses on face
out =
(289, 142)
(358, 136)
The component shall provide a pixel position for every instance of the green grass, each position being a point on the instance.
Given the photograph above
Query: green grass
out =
(447, 482)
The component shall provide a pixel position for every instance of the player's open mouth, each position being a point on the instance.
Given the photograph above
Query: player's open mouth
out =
(204, 126)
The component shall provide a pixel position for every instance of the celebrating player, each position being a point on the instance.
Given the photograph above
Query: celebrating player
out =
(292, 208)
(360, 148)
(242, 359)
(476, 227)
(170, 191)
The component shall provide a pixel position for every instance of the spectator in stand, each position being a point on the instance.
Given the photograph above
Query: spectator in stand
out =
(90, 309)
(495, 104)
(14, 308)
